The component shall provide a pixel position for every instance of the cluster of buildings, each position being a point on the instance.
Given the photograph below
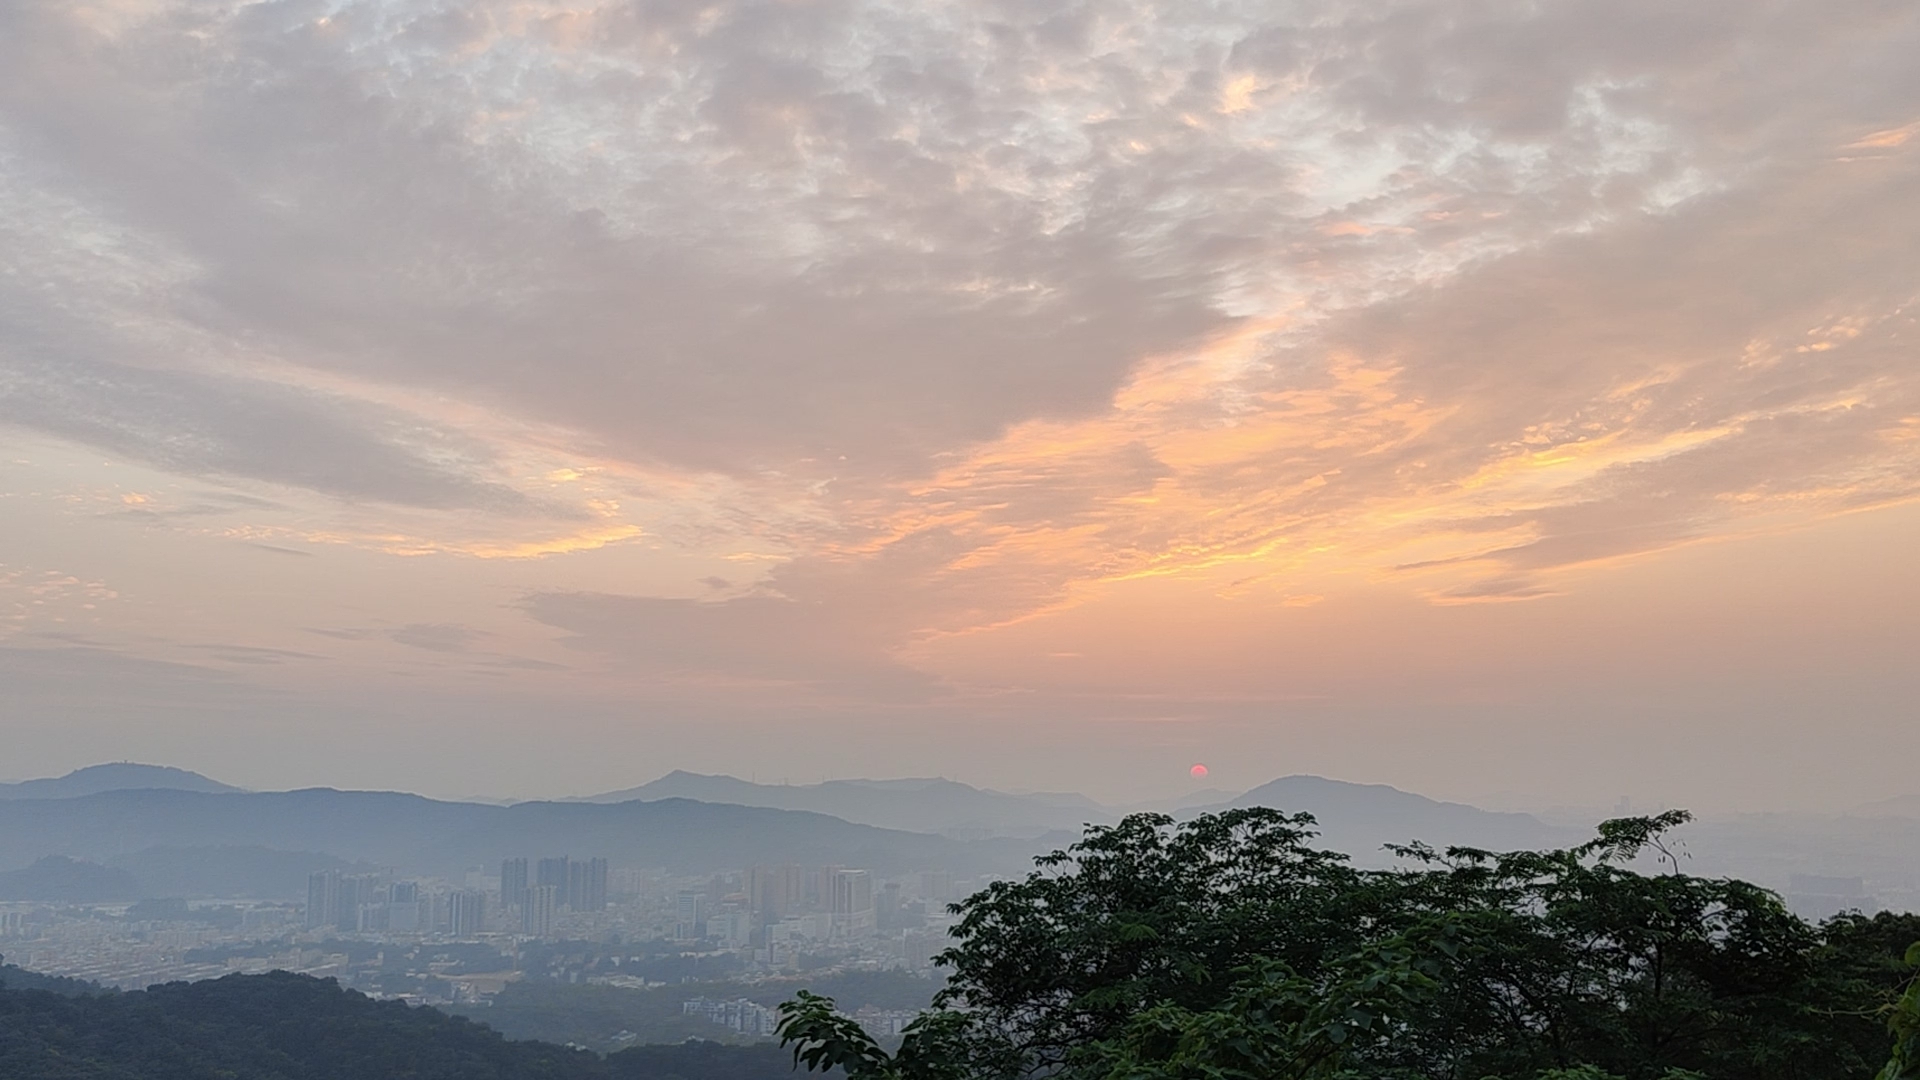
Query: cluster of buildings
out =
(740, 1016)
(558, 885)
(375, 904)
(763, 921)
(111, 945)
(778, 913)
(770, 916)
(371, 904)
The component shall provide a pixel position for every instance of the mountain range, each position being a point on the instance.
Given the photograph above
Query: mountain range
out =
(1360, 818)
(182, 834)
(417, 834)
(933, 805)
(179, 833)
(113, 776)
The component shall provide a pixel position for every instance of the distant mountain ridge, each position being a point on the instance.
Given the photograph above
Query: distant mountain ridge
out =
(417, 834)
(127, 813)
(921, 804)
(113, 776)
(1360, 818)
(1355, 818)
(259, 873)
(1898, 806)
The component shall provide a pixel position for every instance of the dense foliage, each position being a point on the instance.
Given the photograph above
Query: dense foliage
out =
(1230, 947)
(1905, 1063)
(292, 1027)
(19, 978)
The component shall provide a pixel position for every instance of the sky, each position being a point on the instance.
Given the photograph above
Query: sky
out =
(1510, 401)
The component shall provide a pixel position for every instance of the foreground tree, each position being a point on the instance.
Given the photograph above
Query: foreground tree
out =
(1229, 947)
(1905, 1022)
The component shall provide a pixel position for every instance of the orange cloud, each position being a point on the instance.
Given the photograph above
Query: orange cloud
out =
(1888, 139)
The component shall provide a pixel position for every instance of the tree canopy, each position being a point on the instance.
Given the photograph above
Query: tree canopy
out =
(1229, 947)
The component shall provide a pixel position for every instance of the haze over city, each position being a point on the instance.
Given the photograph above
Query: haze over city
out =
(1513, 403)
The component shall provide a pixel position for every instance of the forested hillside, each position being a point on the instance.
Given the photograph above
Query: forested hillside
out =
(19, 978)
(291, 1027)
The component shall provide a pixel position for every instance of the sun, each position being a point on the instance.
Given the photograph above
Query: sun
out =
(1198, 772)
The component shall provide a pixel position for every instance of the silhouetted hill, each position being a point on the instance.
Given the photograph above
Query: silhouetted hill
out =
(415, 833)
(291, 1027)
(116, 776)
(72, 881)
(918, 804)
(1359, 818)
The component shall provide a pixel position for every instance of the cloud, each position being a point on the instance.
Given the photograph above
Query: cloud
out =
(78, 678)
(436, 637)
(973, 311)
(342, 633)
(774, 233)
(837, 624)
(200, 426)
(254, 654)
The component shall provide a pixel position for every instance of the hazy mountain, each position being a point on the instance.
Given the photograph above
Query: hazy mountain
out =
(919, 805)
(1882, 850)
(257, 872)
(412, 833)
(1201, 800)
(1359, 818)
(116, 776)
(73, 881)
(1899, 806)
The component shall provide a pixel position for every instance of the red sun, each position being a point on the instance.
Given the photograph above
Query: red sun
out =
(1198, 772)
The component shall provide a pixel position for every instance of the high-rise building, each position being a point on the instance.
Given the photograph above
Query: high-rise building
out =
(323, 899)
(596, 884)
(553, 872)
(729, 929)
(374, 918)
(467, 913)
(356, 892)
(850, 900)
(936, 886)
(402, 913)
(775, 892)
(852, 891)
(513, 882)
(887, 906)
(405, 917)
(587, 885)
(347, 912)
(690, 915)
(536, 914)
